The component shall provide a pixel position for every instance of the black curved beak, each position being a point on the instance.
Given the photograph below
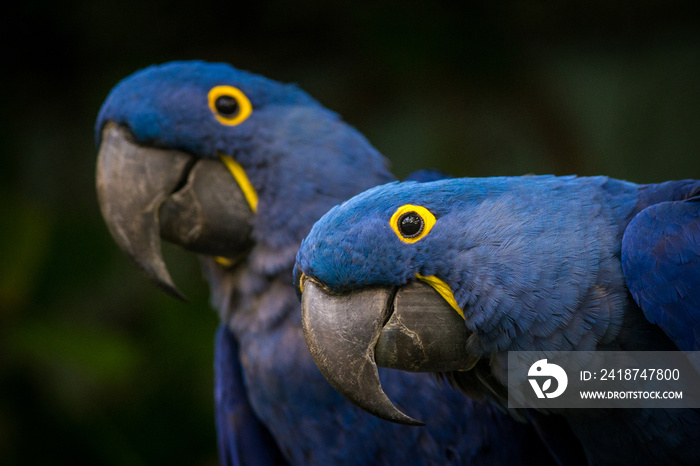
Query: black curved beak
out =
(147, 193)
(411, 328)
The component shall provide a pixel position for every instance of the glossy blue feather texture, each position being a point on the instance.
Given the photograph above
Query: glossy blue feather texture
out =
(543, 263)
(661, 261)
(241, 437)
(301, 159)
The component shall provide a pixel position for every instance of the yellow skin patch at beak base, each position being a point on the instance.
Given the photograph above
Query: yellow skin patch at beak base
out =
(444, 290)
(248, 192)
(301, 283)
(242, 179)
(223, 261)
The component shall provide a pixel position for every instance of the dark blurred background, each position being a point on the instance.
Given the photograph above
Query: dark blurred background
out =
(97, 366)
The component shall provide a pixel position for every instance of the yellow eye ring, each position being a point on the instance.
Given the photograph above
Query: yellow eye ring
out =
(412, 223)
(229, 105)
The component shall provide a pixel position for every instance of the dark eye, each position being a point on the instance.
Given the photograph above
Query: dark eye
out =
(226, 106)
(410, 224)
(229, 105)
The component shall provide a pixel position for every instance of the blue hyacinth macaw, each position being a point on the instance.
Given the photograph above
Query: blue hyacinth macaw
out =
(237, 168)
(449, 276)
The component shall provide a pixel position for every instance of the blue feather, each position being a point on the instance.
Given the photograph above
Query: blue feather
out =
(242, 438)
(661, 262)
(427, 175)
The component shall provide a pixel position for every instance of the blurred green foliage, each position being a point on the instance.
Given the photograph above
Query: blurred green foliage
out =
(99, 367)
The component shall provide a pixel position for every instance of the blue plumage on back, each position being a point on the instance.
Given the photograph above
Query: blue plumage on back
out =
(661, 261)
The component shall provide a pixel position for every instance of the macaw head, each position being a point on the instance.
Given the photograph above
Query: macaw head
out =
(216, 159)
(438, 276)
(365, 273)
